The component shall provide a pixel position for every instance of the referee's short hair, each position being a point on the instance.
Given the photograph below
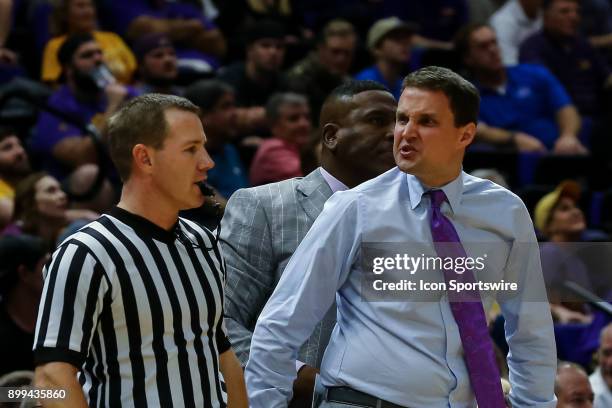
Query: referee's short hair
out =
(141, 120)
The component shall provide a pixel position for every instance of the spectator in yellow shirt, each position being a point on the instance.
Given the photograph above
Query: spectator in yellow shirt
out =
(14, 166)
(79, 16)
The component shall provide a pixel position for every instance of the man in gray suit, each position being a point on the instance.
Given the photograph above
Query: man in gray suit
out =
(263, 226)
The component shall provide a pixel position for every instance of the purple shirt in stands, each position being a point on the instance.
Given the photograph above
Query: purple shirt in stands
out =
(51, 129)
(118, 15)
(574, 62)
(437, 19)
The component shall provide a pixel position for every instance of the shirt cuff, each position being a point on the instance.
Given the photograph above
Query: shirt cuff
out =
(298, 365)
(43, 355)
(223, 343)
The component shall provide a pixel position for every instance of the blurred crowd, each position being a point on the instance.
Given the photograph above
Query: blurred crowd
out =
(259, 70)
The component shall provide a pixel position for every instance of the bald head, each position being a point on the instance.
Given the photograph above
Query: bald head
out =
(606, 333)
(357, 121)
(340, 100)
(572, 387)
(604, 355)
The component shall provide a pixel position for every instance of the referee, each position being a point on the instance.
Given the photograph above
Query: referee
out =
(132, 306)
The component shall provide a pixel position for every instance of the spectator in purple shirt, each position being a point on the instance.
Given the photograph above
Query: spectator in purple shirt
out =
(568, 55)
(200, 44)
(60, 144)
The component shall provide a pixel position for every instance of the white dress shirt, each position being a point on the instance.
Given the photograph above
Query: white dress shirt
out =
(603, 394)
(408, 353)
(512, 27)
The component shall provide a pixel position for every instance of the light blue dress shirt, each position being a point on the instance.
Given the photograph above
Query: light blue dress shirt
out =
(408, 353)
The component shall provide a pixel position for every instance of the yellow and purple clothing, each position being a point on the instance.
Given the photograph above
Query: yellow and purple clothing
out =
(6, 191)
(117, 56)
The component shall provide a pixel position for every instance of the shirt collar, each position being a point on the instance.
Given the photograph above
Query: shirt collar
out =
(144, 227)
(334, 183)
(453, 191)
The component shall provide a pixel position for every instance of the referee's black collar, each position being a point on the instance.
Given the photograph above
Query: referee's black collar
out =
(144, 227)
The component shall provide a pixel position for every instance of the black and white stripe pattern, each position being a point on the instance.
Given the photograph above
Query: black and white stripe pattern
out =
(139, 311)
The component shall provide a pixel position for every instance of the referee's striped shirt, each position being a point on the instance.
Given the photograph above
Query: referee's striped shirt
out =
(138, 311)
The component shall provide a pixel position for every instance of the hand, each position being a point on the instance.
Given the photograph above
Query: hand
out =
(303, 387)
(565, 316)
(7, 56)
(527, 143)
(569, 145)
(184, 30)
(115, 94)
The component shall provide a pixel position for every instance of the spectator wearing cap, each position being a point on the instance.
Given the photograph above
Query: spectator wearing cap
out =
(390, 42)
(217, 106)
(522, 106)
(80, 17)
(88, 94)
(21, 282)
(559, 220)
(326, 67)
(14, 166)
(157, 65)
(259, 76)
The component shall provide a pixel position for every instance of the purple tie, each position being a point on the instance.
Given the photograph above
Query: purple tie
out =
(468, 313)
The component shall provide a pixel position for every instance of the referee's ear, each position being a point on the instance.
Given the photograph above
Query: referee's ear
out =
(142, 158)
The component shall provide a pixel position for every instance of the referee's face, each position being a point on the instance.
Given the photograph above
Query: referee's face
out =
(181, 163)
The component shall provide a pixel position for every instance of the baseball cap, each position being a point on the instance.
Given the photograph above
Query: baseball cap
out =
(147, 43)
(384, 27)
(544, 207)
(18, 250)
(69, 47)
(264, 29)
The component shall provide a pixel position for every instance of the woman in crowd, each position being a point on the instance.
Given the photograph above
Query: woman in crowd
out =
(561, 221)
(41, 208)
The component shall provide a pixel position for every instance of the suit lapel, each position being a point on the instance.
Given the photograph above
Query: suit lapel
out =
(312, 193)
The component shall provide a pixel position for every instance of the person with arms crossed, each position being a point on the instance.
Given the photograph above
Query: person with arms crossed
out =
(132, 306)
(410, 354)
(263, 225)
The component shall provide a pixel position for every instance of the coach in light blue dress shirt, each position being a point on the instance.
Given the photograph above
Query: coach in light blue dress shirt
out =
(407, 353)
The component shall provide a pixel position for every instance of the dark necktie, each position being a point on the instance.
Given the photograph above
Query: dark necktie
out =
(468, 312)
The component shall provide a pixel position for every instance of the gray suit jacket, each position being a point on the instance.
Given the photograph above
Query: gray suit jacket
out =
(261, 228)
